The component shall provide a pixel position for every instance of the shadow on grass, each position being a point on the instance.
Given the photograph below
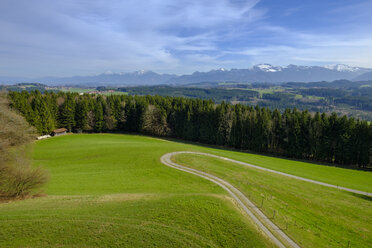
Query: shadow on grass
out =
(364, 197)
(225, 148)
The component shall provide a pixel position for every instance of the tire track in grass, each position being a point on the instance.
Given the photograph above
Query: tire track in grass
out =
(359, 192)
(275, 234)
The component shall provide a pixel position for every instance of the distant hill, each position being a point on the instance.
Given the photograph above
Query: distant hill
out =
(262, 73)
(365, 76)
(337, 84)
(133, 78)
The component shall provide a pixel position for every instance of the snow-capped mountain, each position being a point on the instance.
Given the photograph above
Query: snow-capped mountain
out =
(258, 73)
(342, 67)
(275, 74)
(141, 72)
(267, 68)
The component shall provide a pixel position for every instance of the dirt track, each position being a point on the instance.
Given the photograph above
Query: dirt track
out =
(273, 232)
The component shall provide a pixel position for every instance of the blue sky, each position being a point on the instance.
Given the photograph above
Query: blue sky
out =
(85, 37)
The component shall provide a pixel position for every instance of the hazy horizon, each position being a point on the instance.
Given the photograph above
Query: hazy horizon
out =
(75, 37)
(160, 73)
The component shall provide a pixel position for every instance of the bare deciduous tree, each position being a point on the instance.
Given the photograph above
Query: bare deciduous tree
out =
(154, 121)
(18, 178)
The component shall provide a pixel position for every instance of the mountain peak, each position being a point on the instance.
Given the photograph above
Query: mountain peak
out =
(141, 72)
(258, 73)
(219, 70)
(267, 68)
(342, 68)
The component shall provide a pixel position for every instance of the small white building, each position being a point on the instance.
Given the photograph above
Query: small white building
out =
(43, 137)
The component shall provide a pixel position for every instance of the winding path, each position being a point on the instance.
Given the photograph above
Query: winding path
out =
(276, 235)
(282, 173)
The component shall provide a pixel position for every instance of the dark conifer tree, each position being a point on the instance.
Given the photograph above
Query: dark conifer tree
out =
(98, 115)
(81, 114)
(327, 138)
(67, 113)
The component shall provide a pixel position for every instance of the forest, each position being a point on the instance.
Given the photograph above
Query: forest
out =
(292, 133)
(353, 99)
(343, 97)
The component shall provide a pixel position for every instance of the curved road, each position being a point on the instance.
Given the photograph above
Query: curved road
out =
(276, 235)
(282, 173)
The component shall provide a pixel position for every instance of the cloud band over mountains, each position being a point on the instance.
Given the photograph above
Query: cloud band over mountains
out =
(80, 37)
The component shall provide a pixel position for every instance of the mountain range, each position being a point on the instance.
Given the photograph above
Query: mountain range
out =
(261, 73)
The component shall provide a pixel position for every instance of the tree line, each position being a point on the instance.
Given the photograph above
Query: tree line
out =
(292, 133)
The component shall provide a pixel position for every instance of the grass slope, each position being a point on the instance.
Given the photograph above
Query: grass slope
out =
(111, 190)
(354, 179)
(313, 215)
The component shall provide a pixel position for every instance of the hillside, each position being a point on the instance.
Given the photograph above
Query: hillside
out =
(364, 76)
(112, 190)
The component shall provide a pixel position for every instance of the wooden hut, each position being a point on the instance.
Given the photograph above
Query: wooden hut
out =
(59, 131)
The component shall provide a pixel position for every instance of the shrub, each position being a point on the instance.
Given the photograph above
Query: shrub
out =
(18, 179)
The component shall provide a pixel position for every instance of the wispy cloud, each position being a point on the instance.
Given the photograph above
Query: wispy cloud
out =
(50, 37)
(301, 48)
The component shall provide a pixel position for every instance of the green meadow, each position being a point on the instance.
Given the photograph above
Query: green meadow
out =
(313, 215)
(110, 190)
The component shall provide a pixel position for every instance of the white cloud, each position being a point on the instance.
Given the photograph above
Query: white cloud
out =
(52, 37)
(286, 46)
(69, 37)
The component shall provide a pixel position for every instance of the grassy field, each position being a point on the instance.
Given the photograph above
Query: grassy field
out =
(111, 190)
(82, 90)
(271, 90)
(355, 179)
(77, 90)
(313, 215)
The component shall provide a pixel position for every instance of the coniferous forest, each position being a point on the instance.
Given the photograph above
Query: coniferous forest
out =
(292, 133)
